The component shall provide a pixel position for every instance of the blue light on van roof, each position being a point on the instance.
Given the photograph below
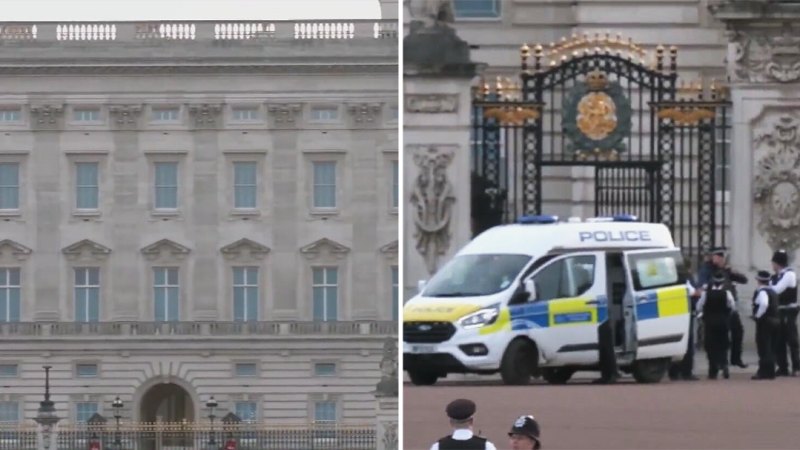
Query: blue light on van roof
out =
(625, 218)
(529, 220)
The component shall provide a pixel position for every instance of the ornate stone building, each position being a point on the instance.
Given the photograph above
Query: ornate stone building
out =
(496, 31)
(198, 209)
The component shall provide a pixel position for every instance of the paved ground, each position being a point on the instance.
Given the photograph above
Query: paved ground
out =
(724, 414)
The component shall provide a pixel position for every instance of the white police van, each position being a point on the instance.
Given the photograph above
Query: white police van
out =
(528, 298)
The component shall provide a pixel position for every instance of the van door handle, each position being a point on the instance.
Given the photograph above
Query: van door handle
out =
(592, 302)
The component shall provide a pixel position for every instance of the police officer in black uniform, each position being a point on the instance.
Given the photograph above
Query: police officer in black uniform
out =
(717, 304)
(765, 313)
(718, 262)
(461, 414)
(524, 434)
(784, 283)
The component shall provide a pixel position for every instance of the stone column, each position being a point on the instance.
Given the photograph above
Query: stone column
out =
(764, 71)
(386, 394)
(437, 79)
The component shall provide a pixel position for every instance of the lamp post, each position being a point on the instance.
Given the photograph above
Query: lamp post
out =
(211, 404)
(46, 415)
(117, 405)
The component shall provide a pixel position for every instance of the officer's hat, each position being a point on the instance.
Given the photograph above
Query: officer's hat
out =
(720, 251)
(781, 258)
(762, 275)
(461, 409)
(526, 426)
(718, 277)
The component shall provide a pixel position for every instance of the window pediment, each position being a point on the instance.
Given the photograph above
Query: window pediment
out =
(86, 248)
(243, 248)
(325, 247)
(14, 249)
(167, 248)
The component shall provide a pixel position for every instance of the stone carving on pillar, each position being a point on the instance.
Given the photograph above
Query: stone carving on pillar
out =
(46, 117)
(432, 199)
(763, 55)
(125, 116)
(390, 436)
(364, 112)
(387, 387)
(777, 183)
(284, 113)
(205, 115)
(431, 103)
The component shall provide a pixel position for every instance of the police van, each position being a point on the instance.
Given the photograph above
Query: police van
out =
(527, 299)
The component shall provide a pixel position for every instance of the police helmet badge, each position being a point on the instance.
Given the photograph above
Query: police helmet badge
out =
(596, 118)
(520, 422)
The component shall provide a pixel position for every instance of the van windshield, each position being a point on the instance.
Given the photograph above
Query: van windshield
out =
(476, 275)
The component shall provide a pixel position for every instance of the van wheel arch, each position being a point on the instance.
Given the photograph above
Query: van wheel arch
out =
(520, 361)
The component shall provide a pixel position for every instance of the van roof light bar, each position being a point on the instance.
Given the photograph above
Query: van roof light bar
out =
(537, 220)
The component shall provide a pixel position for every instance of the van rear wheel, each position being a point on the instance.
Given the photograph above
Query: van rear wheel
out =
(650, 370)
(557, 375)
(422, 378)
(519, 362)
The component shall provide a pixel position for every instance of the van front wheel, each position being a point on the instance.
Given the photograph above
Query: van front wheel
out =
(422, 378)
(519, 362)
(650, 370)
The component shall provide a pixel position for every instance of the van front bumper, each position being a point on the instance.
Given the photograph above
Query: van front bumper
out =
(467, 351)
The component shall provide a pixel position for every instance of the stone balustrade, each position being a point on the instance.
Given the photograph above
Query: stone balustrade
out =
(182, 329)
(196, 31)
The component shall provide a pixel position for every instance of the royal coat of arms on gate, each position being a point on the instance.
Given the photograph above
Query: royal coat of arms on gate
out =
(596, 117)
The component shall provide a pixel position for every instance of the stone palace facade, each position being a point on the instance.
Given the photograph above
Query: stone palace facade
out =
(197, 209)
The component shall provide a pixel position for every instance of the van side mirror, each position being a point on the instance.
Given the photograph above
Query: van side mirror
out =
(421, 285)
(530, 288)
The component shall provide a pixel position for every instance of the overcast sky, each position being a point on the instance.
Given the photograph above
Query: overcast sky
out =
(119, 10)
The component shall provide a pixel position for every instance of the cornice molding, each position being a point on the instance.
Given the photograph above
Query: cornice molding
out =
(137, 69)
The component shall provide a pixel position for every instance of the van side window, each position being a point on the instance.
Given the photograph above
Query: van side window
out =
(657, 270)
(565, 278)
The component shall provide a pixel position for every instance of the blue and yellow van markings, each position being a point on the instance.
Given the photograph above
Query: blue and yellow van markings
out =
(664, 302)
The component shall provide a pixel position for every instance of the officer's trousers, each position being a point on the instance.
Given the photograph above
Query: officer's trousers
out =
(765, 331)
(786, 337)
(608, 357)
(717, 343)
(737, 336)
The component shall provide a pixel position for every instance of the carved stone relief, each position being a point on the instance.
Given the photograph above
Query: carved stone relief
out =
(205, 115)
(431, 103)
(432, 203)
(387, 387)
(390, 436)
(125, 116)
(777, 182)
(284, 113)
(767, 54)
(46, 117)
(364, 112)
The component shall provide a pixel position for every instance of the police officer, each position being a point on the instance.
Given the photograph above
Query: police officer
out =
(461, 414)
(784, 283)
(718, 262)
(716, 304)
(765, 313)
(524, 434)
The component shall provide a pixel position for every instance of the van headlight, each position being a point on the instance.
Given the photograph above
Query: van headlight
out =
(480, 318)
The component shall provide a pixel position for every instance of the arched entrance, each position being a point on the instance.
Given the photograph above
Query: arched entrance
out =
(166, 402)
